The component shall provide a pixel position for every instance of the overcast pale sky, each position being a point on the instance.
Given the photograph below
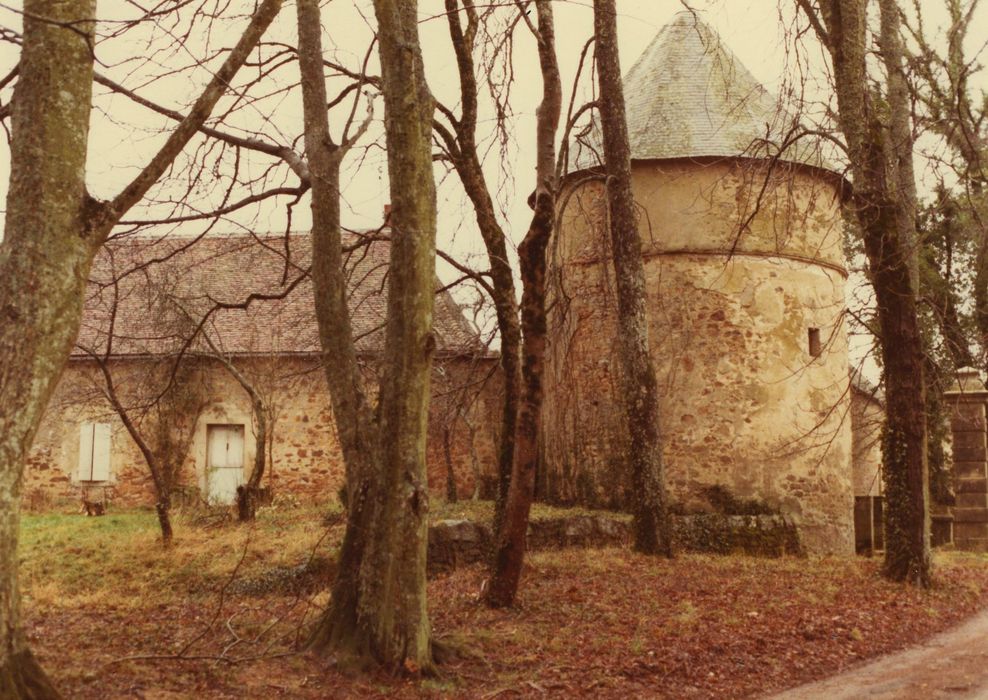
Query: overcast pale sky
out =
(124, 135)
(751, 28)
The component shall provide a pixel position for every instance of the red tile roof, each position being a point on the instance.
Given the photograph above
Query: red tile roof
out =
(165, 287)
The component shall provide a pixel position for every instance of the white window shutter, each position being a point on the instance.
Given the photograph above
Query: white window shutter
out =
(101, 452)
(85, 472)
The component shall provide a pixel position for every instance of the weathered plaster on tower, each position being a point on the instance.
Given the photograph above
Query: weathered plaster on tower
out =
(743, 258)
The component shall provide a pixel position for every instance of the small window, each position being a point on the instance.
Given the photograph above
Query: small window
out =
(94, 452)
(816, 349)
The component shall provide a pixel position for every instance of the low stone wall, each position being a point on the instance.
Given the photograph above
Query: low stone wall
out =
(456, 542)
(759, 535)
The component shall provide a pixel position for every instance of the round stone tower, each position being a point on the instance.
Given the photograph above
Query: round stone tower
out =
(742, 247)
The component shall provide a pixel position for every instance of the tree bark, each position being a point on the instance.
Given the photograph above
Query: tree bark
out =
(392, 577)
(451, 492)
(509, 554)
(44, 263)
(899, 150)
(378, 610)
(249, 494)
(461, 145)
(338, 629)
(163, 508)
(651, 526)
(881, 163)
(53, 229)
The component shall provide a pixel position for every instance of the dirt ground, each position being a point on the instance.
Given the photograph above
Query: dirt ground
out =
(221, 615)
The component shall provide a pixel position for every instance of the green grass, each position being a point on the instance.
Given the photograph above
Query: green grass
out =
(69, 559)
(51, 528)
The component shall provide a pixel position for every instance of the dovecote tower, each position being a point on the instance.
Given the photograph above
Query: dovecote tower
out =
(745, 276)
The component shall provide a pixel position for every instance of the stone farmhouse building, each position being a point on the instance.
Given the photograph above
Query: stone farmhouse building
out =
(148, 296)
(740, 217)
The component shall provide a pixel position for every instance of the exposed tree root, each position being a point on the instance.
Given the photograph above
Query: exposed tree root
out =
(22, 678)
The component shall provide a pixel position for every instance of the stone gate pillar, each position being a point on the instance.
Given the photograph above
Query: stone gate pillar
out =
(966, 408)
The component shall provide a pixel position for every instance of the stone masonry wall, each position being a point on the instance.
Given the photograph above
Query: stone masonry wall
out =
(305, 460)
(745, 405)
(867, 418)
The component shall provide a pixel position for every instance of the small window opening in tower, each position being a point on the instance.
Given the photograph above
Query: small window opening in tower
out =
(816, 348)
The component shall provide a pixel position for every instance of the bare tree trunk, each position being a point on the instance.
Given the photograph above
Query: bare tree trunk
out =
(451, 493)
(652, 527)
(461, 144)
(378, 608)
(163, 509)
(899, 148)
(249, 494)
(44, 264)
(252, 490)
(162, 488)
(884, 203)
(53, 229)
(392, 578)
(338, 629)
(509, 554)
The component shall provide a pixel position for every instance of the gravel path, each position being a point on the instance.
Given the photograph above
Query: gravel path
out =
(954, 664)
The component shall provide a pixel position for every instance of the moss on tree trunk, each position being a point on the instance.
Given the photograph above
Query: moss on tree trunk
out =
(652, 527)
(378, 611)
(44, 263)
(876, 126)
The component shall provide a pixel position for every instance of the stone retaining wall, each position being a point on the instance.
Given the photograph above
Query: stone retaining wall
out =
(457, 542)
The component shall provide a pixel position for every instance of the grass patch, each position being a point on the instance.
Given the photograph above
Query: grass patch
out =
(69, 560)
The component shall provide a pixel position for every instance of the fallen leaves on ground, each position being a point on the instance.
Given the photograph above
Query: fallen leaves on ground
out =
(589, 623)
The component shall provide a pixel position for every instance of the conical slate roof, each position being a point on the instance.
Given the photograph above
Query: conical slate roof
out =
(688, 96)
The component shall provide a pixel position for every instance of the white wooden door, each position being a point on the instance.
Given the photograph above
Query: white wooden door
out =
(224, 462)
